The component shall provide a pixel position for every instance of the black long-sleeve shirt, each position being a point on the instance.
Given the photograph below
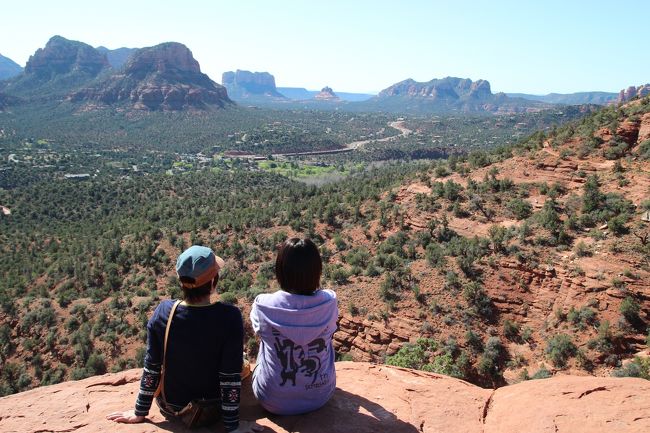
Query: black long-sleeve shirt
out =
(204, 357)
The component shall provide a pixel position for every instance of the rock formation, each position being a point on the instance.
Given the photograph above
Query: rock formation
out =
(163, 77)
(58, 67)
(450, 94)
(245, 85)
(447, 88)
(632, 92)
(61, 56)
(369, 398)
(326, 94)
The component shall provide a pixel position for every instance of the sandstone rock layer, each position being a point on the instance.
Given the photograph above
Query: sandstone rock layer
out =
(369, 398)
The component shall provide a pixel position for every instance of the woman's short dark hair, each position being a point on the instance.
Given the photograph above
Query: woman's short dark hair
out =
(196, 293)
(298, 266)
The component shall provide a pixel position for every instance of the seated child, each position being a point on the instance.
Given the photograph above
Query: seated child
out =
(295, 364)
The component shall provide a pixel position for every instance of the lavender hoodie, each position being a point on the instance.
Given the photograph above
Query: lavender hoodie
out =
(295, 364)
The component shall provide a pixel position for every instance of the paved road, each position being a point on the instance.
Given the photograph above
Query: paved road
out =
(399, 125)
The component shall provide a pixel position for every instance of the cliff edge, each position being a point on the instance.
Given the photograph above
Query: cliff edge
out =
(369, 398)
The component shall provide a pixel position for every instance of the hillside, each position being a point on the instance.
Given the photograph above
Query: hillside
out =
(528, 261)
(368, 399)
(8, 68)
(600, 98)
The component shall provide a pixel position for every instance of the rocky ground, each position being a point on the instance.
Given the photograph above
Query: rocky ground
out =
(369, 398)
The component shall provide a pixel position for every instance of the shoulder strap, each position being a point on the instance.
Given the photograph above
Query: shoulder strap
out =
(161, 385)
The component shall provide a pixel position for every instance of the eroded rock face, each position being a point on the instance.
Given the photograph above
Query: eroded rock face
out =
(632, 92)
(446, 88)
(62, 56)
(246, 84)
(369, 399)
(326, 94)
(163, 77)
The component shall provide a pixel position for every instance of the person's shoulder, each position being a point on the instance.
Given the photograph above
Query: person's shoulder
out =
(327, 293)
(228, 310)
(268, 298)
(164, 307)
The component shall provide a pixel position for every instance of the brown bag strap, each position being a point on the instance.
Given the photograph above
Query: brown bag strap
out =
(161, 385)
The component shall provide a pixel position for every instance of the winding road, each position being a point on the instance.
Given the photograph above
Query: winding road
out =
(398, 124)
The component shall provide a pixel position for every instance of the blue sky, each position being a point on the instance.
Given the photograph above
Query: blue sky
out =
(364, 46)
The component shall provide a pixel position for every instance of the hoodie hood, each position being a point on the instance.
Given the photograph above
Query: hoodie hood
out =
(297, 317)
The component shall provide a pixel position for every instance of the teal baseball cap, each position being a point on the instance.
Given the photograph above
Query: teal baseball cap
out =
(198, 265)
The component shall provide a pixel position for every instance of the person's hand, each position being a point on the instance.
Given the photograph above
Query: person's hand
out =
(248, 427)
(128, 417)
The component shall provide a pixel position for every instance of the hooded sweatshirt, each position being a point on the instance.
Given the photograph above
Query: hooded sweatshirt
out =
(295, 364)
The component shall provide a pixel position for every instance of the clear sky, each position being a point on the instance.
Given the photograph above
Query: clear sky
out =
(529, 46)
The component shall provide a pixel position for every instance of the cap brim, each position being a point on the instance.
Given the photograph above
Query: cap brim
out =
(209, 275)
(220, 262)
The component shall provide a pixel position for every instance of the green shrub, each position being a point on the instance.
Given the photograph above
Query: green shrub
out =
(542, 373)
(435, 255)
(493, 358)
(559, 349)
(630, 310)
(413, 355)
(638, 367)
(511, 330)
(228, 298)
(477, 299)
(519, 208)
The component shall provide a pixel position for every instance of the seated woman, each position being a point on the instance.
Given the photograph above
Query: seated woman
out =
(202, 357)
(295, 365)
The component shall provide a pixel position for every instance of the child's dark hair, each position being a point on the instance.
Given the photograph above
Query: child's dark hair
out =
(298, 266)
(192, 295)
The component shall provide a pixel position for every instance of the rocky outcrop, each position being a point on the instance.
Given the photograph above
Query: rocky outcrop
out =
(246, 85)
(163, 77)
(57, 68)
(633, 92)
(366, 340)
(451, 88)
(450, 94)
(369, 398)
(644, 128)
(62, 56)
(326, 94)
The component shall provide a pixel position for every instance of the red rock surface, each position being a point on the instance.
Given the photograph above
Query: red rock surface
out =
(369, 398)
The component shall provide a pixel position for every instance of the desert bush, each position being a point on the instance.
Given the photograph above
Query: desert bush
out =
(559, 349)
(477, 299)
(435, 255)
(630, 310)
(413, 355)
(228, 298)
(511, 330)
(638, 367)
(493, 358)
(519, 208)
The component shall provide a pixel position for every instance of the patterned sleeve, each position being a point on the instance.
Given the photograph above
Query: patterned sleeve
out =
(230, 372)
(152, 366)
